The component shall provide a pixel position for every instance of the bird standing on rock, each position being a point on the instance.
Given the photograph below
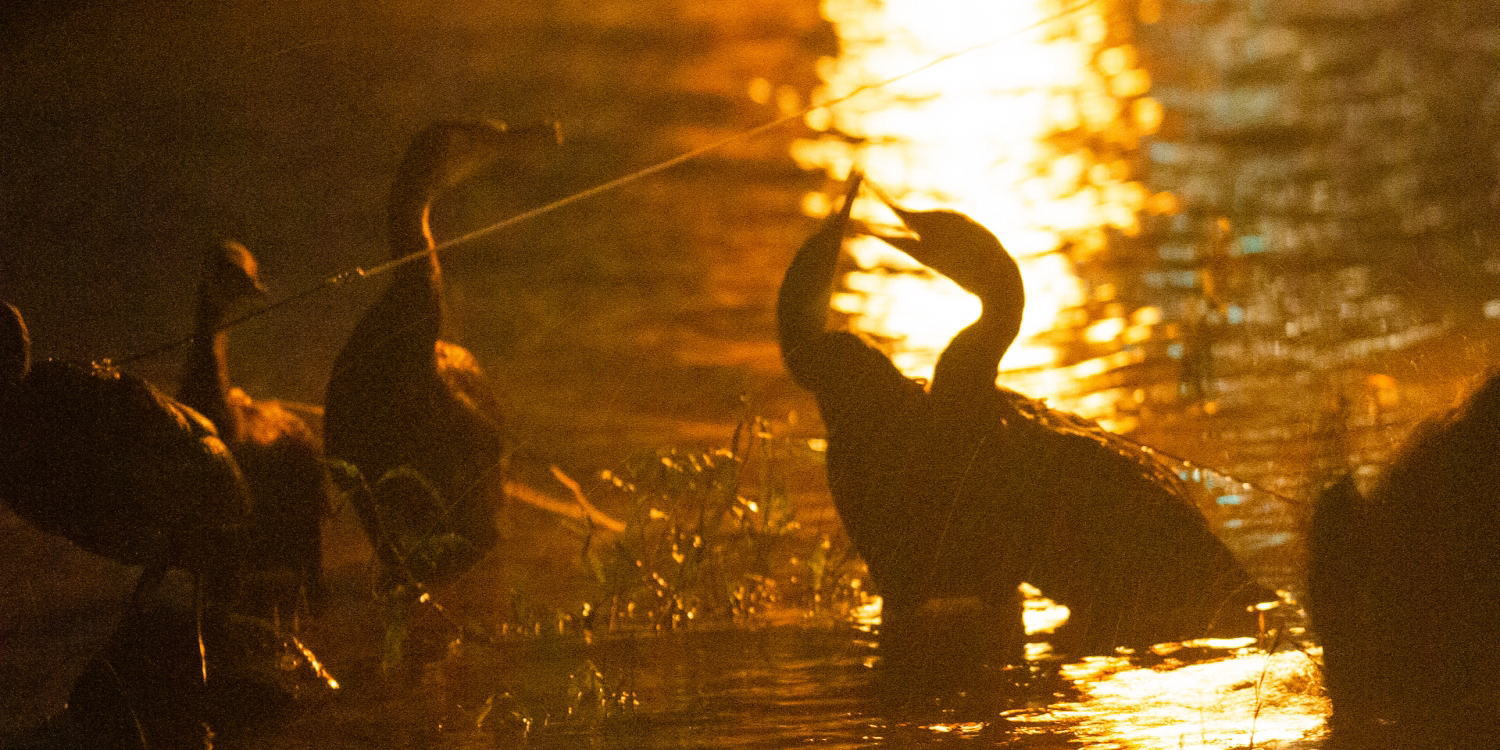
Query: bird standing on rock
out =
(278, 453)
(400, 397)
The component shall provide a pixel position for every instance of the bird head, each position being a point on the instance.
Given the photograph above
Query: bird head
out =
(230, 273)
(833, 226)
(447, 152)
(958, 247)
(15, 345)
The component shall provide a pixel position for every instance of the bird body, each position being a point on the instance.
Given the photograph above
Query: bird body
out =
(277, 452)
(869, 407)
(116, 466)
(1059, 502)
(1404, 586)
(965, 489)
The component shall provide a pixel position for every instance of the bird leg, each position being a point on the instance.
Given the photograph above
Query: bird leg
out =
(198, 626)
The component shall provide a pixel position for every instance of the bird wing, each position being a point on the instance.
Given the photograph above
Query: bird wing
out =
(460, 371)
(1085, 436)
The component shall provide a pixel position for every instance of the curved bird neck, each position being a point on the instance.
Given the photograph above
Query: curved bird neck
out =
(402, 326)
(970, 363)
(802, 300)
(205, 378)
(409, 229)
(15, 347)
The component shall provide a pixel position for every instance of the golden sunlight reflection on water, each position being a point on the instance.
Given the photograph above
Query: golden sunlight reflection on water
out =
(1250, 699)
(1029, 135)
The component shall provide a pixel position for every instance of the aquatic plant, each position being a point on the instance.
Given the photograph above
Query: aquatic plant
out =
(410, 527)
(413, 538)
(711, 535)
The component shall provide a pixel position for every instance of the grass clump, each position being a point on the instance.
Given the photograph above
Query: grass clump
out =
(712, 535)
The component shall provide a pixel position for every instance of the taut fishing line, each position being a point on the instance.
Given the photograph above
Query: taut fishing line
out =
(345, 277)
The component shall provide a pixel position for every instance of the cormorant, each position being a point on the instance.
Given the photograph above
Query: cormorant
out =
(871, 411)
(967, 489)
(278, 453)
(1092, 520)
(401, 397)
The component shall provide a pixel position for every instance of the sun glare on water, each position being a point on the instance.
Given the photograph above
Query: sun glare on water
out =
(1026, 131)
(1248, 699)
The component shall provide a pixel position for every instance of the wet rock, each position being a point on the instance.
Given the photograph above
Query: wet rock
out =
(145, 688)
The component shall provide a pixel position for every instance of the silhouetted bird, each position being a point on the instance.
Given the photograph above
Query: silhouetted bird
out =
(1404, 588)
(122, 470)
(399, 396)
(873, 414)
(1108, 529)
(969, 489)
(278, 453)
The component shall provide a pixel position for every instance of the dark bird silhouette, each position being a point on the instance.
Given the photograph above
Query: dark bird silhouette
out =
(399, 395)
(107, 461)
(279, 455)
(967, 489)
(1404, 588)
(1108, 530)
(871, 412)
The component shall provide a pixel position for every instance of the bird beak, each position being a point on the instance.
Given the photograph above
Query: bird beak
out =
(840, 217)
(902, 213)
(856, 178)
(906, 243)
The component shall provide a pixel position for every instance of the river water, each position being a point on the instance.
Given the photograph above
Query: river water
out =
(812, 686)
(1227, 256)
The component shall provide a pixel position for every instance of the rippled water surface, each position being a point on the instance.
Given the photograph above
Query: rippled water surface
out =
(1255, 236)
(820, 687)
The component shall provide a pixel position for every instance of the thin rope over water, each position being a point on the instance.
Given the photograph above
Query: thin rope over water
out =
(327, 283)
(358, 273)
